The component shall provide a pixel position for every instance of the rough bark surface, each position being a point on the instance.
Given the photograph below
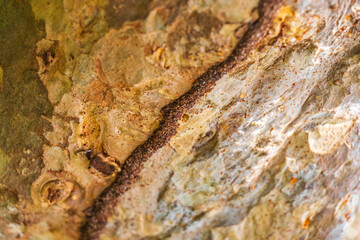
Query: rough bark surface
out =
(179, 119)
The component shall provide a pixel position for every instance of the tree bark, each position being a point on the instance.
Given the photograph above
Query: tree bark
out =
(179, 119)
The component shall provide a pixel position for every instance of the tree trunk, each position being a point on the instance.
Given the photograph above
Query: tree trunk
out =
(176, 119)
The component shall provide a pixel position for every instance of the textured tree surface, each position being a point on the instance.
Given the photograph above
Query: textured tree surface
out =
(180, 119)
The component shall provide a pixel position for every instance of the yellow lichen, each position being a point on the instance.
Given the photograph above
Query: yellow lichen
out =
(89, 132)
(287, 23)
(3, 162)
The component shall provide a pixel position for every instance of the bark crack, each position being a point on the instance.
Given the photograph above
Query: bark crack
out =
(96, 215)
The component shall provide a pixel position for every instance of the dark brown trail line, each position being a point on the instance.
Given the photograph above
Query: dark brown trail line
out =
(96, 216)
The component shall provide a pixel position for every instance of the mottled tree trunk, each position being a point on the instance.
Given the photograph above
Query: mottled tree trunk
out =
(175, 119)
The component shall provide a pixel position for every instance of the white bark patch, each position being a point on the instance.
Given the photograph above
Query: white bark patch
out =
(329, 136)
